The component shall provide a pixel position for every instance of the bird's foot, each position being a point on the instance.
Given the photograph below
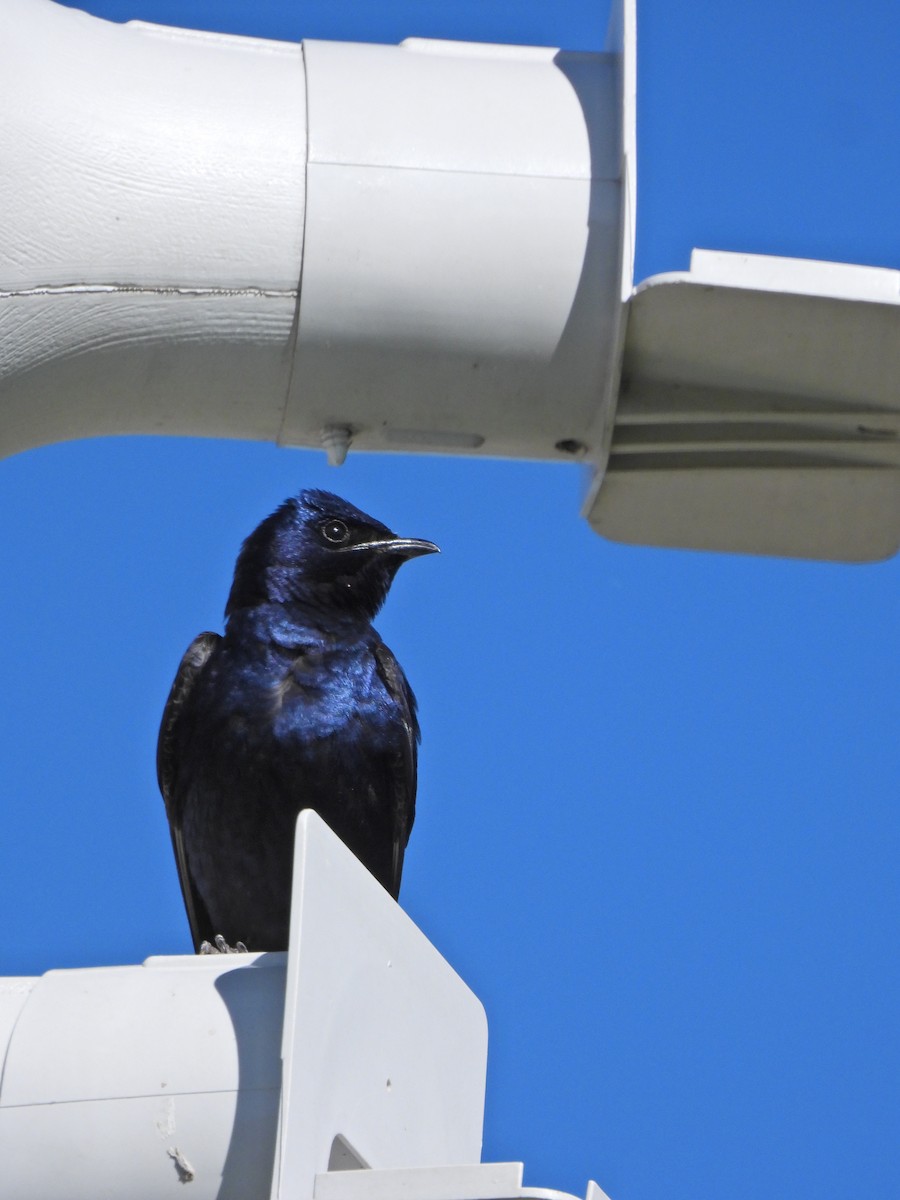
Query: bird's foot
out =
(220, 946)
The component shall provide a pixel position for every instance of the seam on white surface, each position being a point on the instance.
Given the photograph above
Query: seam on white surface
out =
(294, 340)
(68, 289)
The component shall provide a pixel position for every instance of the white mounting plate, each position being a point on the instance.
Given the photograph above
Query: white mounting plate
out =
(482, 1181)
(384, 1047)
(759, 411)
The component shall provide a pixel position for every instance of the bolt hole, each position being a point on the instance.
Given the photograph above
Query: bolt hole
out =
(571, 446)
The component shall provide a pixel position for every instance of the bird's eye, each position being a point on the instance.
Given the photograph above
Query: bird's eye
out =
(335, 532)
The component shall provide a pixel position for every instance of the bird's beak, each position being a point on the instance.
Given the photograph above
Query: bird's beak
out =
(402, 547)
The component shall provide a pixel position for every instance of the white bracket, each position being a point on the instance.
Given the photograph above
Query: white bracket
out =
(759, 411)
(481, 1181)
(384, 1049)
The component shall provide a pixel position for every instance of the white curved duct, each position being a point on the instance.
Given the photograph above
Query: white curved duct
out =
(423, 246)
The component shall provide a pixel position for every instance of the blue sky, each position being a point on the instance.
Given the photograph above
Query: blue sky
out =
(658, 828)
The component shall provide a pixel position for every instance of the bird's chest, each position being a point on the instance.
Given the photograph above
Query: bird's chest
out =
(293, 702)
(321, 694)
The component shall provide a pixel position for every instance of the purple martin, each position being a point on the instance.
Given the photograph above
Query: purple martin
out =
(299, 704)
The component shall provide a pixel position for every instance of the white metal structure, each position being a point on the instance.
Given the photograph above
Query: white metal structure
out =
(759, 411)
(423, 248)
(423, 245)
(279, 1075)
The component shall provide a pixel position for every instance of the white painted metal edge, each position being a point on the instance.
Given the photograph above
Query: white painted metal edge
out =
(789, 276)
(478, 1181)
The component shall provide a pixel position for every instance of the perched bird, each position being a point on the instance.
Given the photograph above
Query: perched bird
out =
(299, 705)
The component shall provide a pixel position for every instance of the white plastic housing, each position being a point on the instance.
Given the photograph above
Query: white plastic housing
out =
(759, 411)
(134, 1081)
(424, 244)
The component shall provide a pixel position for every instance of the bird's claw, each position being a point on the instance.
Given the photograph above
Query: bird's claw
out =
(220, 946)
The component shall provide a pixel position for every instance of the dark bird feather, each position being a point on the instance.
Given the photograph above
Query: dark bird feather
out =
(298, 705)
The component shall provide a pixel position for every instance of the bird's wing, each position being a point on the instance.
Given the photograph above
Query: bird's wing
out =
(404, 798)
(195, 659)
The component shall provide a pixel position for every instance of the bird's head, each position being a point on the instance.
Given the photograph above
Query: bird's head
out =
(322, 556)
